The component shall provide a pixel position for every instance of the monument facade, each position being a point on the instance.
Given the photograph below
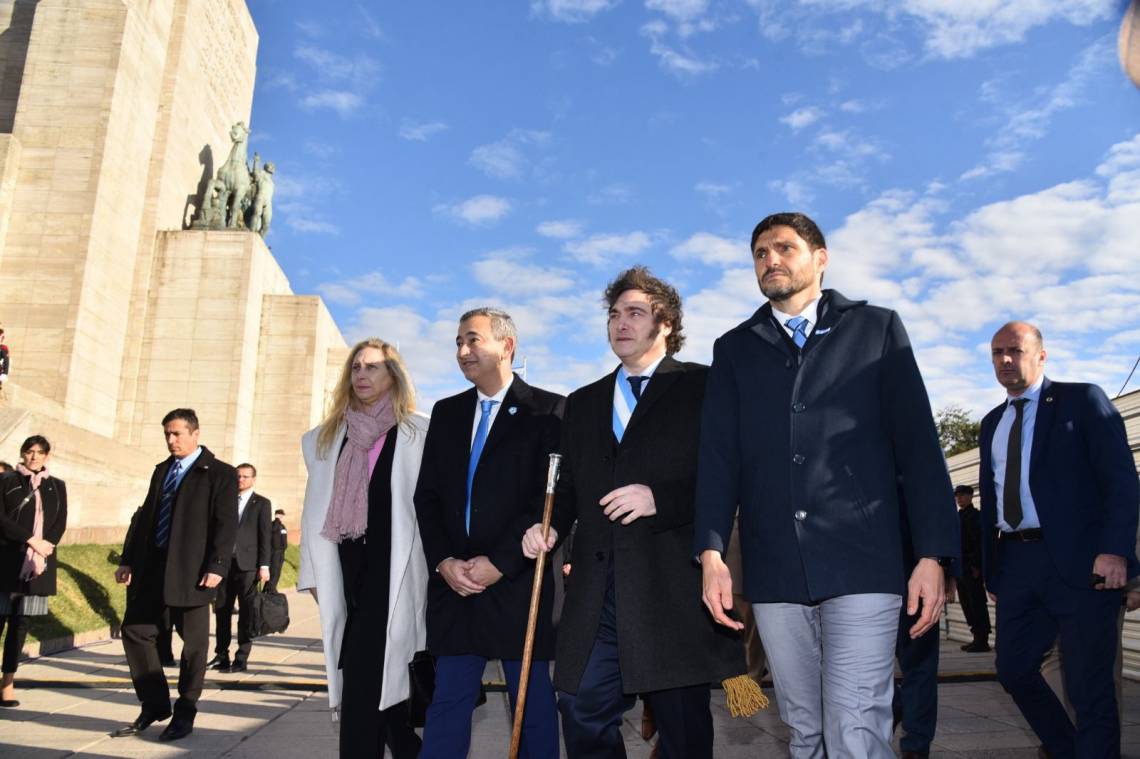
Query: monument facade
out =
(115, 118)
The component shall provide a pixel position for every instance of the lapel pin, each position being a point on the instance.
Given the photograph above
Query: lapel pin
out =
(823, 331)
(1048, 399)
(513, 410)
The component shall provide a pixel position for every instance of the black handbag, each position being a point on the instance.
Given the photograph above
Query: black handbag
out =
(269, 614)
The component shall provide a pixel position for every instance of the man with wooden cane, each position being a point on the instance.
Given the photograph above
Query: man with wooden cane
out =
(633, 622)
(481, 485)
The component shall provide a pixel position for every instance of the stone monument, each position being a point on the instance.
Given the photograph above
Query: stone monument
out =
(115, 119)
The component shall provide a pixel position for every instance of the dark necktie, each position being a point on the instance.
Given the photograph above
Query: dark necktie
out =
(1011, 489)
(635, 384)
(166, 505)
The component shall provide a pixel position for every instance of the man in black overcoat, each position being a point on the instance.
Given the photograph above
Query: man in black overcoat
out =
(250, 564)
(175, 555)
(815, 414)
(481, 484)
(633, 622)
(278, 542)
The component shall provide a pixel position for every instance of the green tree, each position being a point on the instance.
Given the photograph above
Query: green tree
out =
(957, 432)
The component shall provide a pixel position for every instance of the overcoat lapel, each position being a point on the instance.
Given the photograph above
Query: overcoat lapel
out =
(662, 379)
(764, 327)
(518, 397)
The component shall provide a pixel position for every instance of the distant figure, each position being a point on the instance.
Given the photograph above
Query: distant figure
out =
(278, 542)
(1059, 516)
(5, 360)
(971, 586)
(250, 564)
(32, 520)
(175, 556)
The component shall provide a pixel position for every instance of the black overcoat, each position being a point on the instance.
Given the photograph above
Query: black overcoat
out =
(821, 449)
(507, 498)
(202, 529)
(666, 638)
(15, 529)
(253, 534)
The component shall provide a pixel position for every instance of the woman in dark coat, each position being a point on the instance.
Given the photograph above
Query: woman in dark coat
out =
(33, 516)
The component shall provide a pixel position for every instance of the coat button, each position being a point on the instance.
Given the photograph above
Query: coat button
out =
(798, 459)
(801, 515)
(600, 556)
(799, 407)
(788, 364)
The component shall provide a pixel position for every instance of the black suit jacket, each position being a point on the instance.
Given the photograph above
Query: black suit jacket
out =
(507, 498)
(669, 639)
(202, 529)
(816, 447)
(279, 536)
(252, 545)
(970, 523)
(16, 527)
(1082, 477)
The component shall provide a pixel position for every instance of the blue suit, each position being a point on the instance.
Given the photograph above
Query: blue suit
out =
(1084, 486)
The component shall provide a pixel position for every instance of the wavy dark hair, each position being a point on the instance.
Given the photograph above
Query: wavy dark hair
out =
(664, 297)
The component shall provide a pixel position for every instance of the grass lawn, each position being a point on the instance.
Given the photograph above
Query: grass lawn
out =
(87, 597)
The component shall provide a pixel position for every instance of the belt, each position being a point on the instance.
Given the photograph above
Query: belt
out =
(1032, 535)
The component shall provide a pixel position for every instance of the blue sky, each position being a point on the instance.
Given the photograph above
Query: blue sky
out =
(970, 161)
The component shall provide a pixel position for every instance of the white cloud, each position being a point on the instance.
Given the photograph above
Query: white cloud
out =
(506, 159)
(611, 194)
(802, 117)
(681, 63)
(571, 11)
(477, 210)
(343, 102)
(306, 224)
(504, 273)
(360, 69)
(796, 191)
(712, 250)
(713, 190)
(560, 229)
(679, 10)
(350, 292)
(421, 131)
(602, 249)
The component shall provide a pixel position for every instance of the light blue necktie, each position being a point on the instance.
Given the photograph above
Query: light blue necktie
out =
(166, 505)
(476, 450)
(798, 325)
(631, 398)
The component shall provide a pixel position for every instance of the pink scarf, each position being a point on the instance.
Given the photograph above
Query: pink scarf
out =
(34, 564)
(347, 517)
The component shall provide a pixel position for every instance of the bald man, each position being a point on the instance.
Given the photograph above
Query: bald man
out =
(1060, 501)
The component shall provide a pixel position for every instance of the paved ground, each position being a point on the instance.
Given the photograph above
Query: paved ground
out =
(277, 710)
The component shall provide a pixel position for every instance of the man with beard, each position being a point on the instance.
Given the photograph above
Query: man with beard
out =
(817, 423)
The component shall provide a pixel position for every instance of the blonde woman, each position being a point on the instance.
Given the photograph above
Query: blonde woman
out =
(361, 555)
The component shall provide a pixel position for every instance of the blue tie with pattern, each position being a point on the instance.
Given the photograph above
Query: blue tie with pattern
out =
(166, 505)
(798, 325)
(476, 450)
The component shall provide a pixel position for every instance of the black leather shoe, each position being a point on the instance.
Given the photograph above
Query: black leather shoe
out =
(915, 755)
(219, 663)
(177, 730)
(237, 666)
(978, 647)
(142, 722)
(168, 662)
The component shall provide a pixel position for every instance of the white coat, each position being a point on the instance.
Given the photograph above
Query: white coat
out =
(407, 590)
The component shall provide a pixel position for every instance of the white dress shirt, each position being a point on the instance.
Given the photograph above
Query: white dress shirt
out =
(810, 312)
(498, 397)
(620, 405)
(999, 456)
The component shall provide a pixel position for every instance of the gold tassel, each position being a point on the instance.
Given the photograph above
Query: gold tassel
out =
(743, 696)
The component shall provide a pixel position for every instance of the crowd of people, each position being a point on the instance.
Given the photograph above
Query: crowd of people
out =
(794, 491)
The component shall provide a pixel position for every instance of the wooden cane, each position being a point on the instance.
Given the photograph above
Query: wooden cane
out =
(535, 596)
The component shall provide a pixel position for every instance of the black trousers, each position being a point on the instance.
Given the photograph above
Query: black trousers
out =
(276, 562)
(238, 585)
(972, 594)
(592, 717)
(146, 614)
(17, 625)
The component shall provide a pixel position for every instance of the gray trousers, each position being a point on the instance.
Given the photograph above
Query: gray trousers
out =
(833, 668)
